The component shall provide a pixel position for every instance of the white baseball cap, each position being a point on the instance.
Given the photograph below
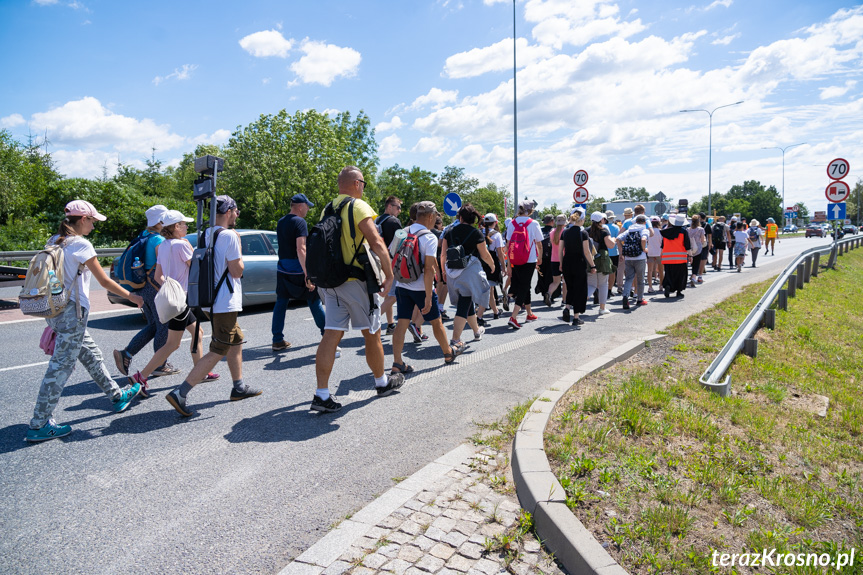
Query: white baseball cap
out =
(154, 215)
(174, 217)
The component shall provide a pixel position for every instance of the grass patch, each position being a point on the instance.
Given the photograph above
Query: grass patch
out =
(684, 472)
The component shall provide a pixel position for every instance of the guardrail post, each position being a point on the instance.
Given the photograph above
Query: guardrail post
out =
(782, 300)
(750, 346)
(792, 285)
(831, 261)
(770, 319)
(816, 263)
(800, 271)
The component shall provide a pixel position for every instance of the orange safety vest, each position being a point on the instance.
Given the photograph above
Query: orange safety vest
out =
(673, 251)
(771, 230)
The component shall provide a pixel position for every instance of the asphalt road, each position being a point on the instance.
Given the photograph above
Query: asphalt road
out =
(244, 487)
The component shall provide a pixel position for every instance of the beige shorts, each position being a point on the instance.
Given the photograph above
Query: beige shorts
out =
(226, 332)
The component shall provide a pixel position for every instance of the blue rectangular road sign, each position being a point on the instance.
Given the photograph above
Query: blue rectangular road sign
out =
(836, 211)
(582, 206)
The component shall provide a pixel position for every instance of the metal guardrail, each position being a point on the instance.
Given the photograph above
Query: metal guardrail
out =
(26, 256)
(796, 274)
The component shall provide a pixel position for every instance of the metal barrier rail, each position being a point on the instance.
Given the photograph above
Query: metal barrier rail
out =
(26, 256)
(796, 274)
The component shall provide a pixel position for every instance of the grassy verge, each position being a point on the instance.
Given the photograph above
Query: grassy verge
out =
(667, 473)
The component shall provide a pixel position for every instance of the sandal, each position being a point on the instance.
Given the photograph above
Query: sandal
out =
(457, 349)
(402, 368)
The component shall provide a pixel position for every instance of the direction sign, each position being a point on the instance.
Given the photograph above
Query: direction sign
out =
(819, 217)
(837, 191)
(580, 178)
(836, 211)
(580, 195)
(452, 204)
(838, 169)
(582, 206)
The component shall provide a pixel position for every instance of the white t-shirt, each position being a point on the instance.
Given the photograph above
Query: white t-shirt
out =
(227, 250)
(741, 237)
(77, 250)
(534, 232)
(645, 235)
(427, 246)
(173, 255)
(496, 241)
(654, 245)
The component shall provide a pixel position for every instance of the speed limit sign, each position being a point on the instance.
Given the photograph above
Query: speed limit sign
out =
(838, 169)
(580, 178)
(580, 195)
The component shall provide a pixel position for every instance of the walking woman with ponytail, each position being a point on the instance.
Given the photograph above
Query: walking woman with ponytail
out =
(73, 342)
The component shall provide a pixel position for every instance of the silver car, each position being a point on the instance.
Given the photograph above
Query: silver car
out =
(260, 249)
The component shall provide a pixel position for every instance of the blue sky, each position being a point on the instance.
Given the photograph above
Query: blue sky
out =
(600, 84)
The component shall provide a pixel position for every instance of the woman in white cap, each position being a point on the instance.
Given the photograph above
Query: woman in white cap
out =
(175, 258)
(154, 331)
(73, 342)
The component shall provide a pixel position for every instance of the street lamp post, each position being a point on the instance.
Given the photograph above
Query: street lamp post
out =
(784, 219)
(710, 153)
(514, 116)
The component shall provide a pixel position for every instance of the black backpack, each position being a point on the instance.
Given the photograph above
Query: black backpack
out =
(324, 262)
(719, 232)
(203, 287)
(632, 244)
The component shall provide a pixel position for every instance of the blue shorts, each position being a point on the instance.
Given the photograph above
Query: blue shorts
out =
(407, 300)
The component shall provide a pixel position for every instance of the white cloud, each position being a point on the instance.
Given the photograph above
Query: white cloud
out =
(434, 146)
(494, 58)
(718, 3)
(725, 40)
(393, 124)
(323, 63)
(435, 98)
(45, 2)
(837, 91)
(390, 147)
(217, 138)
(178, 74)
(266, 43)
(12, 121)
(560, 22)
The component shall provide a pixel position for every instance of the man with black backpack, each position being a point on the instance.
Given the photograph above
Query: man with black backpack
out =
(354, 300)
(388, 224)
(227, 338)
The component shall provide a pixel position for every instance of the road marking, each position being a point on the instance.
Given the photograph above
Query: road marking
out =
(43, 319)
(24, 366)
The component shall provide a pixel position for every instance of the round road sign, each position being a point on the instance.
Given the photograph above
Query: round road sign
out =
(838, 169)
(580, 178)
(837, 191)
(580, 195)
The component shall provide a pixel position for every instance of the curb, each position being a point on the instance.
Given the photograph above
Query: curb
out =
(326, 551)
(538, 490)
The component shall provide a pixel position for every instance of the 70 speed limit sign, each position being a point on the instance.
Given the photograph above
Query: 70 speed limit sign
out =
(579, 178)
(838, 169)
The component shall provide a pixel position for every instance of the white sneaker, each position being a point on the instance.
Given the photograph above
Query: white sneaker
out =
(338, 352)
(604, 312)
(477, 335)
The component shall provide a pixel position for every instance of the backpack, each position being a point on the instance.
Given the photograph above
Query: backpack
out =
(36, 298)
(632, 244)
(325, 265)
(519, 243)
(379, 223)
(719, 232)
(407, 263)
(753, 234)
(127, 275)
(203, 287)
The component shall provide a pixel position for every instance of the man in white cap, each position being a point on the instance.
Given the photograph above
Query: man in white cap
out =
(154, 331)
(524, 240)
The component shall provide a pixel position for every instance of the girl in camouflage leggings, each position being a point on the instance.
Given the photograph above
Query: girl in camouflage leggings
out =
(73, 342)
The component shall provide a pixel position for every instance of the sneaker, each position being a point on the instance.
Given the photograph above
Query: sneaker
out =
(506, 303)
(513, 323)
(394, 381)
(179, 402)
(48, 431)
(531, 317)
(166, 369)
(497, 316)
(391, 329)
(626, 303)
(566, 316)
(691, 283)
(123, 359)
(245, 393)
(546, 299)
(651, 290)
(700, 280)
(604, 312)
(126, 397)
(641, 302)
(418, 337)
(444, 315)
(480, 322)
(281, 345)
(338, 352)
(424, 336)
(576, 321)
(327, 406)
(477, 335)
(209, 377)
(142, 381)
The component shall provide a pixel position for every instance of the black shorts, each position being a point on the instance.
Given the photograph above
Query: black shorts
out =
(555, 269)
(615, 260)
(719, 245)
(186, 318)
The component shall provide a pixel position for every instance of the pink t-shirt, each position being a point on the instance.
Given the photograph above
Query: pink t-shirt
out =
(555, 247)
(173, 255)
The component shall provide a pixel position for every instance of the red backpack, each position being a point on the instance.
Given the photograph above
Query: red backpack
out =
(407, 263)
(519, 243)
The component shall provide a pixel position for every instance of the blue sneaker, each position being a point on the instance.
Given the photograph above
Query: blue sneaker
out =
(126, 397)
(48, 431)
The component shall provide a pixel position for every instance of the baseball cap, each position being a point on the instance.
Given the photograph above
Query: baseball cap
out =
(225, 204)
(547, 219)
(526, 206)
(83, 208)
(154, 215)
(580, 210)
(489, 218)
(560, 220)
(426, 207)
(597, 216)
(301, 199)
(174, 217)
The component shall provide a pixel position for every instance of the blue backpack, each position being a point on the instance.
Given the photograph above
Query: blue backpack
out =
(128, 275)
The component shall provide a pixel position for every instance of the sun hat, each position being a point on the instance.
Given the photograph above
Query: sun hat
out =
(490, 218)
(627, 211)
(83, 208)
(560, 220)
(609, 215)
(771, 221)
(174, 217)
(679, 220)
(154, 215)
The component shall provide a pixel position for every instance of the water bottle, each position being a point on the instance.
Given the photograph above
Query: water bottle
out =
(136, 265)
(138, 274)
(54, 283)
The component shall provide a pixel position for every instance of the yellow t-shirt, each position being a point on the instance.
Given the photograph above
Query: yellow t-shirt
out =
(361, 211)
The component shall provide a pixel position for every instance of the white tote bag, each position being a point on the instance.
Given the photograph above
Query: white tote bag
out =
(171, 300)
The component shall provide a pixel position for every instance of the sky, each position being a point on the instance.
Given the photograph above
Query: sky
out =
(600, 85)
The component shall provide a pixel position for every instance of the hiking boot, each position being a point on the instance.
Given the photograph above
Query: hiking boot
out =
(325, 406)
(179, 402)
(245, 393)
(126, 396)
(418, 337)
(281, 345)
(140, 379)
(513, 323)
(566, 316)
(530, 317)
(48, 431)
(394, 381)
(391, 329)
(166, 369)
(123, 359)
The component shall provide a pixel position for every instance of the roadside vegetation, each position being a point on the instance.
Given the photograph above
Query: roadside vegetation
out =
(665, 473)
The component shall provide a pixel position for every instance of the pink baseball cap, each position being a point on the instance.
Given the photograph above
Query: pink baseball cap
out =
(83, 208)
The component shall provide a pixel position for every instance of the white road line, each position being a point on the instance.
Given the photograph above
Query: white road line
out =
(23, 366)
(43, 319)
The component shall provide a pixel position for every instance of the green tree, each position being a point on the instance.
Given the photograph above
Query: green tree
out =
(632, 194)
(489, 199)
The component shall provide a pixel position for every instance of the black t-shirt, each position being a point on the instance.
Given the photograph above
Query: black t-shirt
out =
(600, 245)
(289, 229)
(465, 235)
(389, 226)
(573, 238)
